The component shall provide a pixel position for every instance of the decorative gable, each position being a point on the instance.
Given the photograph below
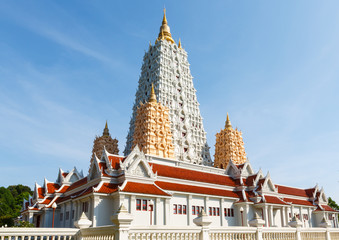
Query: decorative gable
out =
(95, 170)
(136, 165)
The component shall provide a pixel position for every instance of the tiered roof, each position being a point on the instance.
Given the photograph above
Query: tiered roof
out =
(117, 174)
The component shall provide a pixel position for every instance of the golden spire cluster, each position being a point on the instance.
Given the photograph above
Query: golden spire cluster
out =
(229, 146)
(153, 129)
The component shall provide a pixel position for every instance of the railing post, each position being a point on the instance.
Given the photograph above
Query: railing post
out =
(298, 233)
(122, 219)
(204, 221)
(328, 234)
(259, 233)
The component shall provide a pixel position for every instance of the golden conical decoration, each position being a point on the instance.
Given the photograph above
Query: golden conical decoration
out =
(228, 124)
(179, 44)
(229, 145)
(152, 98)
(165, 33)
(152, 131)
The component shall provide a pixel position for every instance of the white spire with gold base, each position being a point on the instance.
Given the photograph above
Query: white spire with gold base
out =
(166, 66)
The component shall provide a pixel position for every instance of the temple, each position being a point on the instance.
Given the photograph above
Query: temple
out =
(166, 176)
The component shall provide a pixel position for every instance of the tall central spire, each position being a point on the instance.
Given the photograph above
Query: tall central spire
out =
(166, 69)
(165, 32)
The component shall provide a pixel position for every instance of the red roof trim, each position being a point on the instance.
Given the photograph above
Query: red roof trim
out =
(298, 202)
(195, 189)
(144, 188)
(192, 175)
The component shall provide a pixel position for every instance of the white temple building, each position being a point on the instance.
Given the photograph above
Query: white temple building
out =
(166, 176)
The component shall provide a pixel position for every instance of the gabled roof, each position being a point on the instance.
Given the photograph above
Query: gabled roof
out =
(295, 191)
(275, 200)
(195, 189)
(327, 208)
(298, 202)
(52, 187)
(144, 188)
(181, 173)
(108, 188)
(79, 183)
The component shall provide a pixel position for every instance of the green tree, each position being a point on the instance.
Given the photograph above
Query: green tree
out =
(333, 204)
(11, 200)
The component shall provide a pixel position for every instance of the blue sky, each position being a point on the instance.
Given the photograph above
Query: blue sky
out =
(68, 66)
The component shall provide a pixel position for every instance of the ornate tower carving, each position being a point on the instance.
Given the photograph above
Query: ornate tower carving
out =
(107, 141)
(166, 66)
(152, 129)
(229, 146)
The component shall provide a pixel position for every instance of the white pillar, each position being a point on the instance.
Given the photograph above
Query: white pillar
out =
(283, 218)
(266, 216)
(167, 211)
(270, 215)
(95, 203)
(157, 212)
(205, 204)
(301, 216)
(189, 210)
(309, 217)
(286, 216)
(132, 205)
(221, 201)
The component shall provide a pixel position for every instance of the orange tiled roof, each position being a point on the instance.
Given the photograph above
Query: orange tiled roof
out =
(195, 189)
(143, 188)
(46, 201)
(293, 191)
(63, 189)
(41, 192)
(181, 173)
(115, 161)
(328, 208)
(298, 201)
(275, 200)
(78, 183)
(108, 188)
(52, 187)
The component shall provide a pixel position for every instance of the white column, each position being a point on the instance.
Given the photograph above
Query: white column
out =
(283, 218)
(301, 216)
(270, 216)
(286, 216)
(157, 212)
(309, 217)
(266, 215)
(221, 211)
(94, 211)
(167, 211)
(132, 205)
(189, 210)
(205, 204)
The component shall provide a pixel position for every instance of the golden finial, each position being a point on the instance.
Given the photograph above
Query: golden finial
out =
(152, 98)
(179, 45)
(164, 20)
(165, 33)
(106, 131)
(228, 124)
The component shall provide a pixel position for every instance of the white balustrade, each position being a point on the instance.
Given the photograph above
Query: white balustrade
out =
(37, 233)
(169, 232)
